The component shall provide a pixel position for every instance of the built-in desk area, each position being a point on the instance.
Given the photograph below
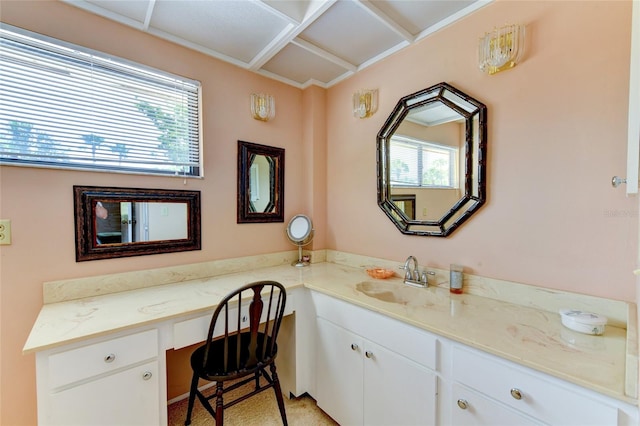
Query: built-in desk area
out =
(115, 344)
(102, 355)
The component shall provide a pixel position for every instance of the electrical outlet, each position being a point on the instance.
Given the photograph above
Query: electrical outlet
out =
(5, 232)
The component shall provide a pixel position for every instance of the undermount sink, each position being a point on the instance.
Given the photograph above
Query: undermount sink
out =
(387, 291)
(397, 292)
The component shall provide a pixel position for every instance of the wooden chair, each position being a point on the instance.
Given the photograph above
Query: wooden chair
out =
(241, 349)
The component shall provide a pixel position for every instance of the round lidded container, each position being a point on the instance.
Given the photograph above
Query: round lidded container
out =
(583, 322)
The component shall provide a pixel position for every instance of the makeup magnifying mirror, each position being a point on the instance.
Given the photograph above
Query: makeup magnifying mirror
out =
(300, 233)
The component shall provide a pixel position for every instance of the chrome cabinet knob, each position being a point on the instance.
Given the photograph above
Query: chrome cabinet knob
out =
(147, 375)
(354, 347)
(110, 358)
(368, 354)
(516, 394)
(463, 404)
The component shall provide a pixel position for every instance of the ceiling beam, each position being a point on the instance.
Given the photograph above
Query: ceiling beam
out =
(386, 20)
(147, 17)
(288, 34)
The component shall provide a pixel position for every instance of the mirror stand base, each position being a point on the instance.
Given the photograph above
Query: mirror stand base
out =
(302, 260)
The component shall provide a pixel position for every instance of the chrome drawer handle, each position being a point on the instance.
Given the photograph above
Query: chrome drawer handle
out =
(110, 358)
(516, 394)
(368, 354)
(354, 347)
(147, 375)
(462, 403)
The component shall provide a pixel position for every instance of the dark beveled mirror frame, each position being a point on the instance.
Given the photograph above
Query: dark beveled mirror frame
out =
(85, 199)
(274, 212)
(475, 149)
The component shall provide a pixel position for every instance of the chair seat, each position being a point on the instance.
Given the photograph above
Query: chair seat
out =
(215, 369)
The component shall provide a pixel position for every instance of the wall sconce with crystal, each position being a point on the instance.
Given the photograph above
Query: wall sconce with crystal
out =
(263, 107)
(365, 103)
(501, 49)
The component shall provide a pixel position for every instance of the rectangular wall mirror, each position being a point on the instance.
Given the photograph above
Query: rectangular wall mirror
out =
(122, 222)
(260, 183)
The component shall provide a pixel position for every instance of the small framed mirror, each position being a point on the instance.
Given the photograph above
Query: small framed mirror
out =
(122, 222)
(260, 183)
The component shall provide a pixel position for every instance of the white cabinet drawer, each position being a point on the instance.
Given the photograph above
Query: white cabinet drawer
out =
(418, 345)
(129, 397)
(195, 330)
(87, 361)
(544, 398)
(473, 409)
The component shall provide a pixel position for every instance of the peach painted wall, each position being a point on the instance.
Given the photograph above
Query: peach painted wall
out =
(39, 201)
(557, 128)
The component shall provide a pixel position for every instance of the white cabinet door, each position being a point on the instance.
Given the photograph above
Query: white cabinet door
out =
(130, 397)
(359, 382)
(339, 373)
(472, 409)
(397, 391)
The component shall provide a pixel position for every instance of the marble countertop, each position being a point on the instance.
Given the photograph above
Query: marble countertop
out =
(525, 335)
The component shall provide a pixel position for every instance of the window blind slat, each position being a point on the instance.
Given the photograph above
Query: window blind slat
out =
(418, 163)
(65, 105)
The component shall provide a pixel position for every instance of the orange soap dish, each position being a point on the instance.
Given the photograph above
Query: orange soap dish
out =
(380, 273)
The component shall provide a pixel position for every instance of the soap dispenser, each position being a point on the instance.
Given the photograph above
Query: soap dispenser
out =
(455, 279)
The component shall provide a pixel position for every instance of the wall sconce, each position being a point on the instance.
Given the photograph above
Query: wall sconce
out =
(501, 49)
(365, 103)
(263, 107)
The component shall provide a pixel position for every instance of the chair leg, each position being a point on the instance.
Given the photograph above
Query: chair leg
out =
(219, 405)
(192, 398)
(278, 391)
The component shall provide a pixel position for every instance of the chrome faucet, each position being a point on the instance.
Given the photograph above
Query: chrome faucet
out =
(408, 274)
(412, 276)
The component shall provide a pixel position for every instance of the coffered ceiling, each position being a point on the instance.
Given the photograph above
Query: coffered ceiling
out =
(298, 42)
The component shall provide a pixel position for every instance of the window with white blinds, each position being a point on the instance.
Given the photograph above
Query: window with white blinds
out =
(65, 106)
(417, 163)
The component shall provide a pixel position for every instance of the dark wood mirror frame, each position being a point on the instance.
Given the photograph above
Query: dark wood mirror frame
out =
(475, 169)
(274, 212)
(85, 200)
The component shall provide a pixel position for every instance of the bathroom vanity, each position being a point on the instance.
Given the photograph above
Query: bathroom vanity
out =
(370, 351)
(401, 374)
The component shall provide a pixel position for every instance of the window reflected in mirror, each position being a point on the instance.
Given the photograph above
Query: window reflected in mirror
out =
(433, 148)
(419, 163)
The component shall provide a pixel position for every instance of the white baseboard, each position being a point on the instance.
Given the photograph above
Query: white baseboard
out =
(186, 395)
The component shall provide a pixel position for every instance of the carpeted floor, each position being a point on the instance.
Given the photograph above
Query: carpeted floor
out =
(259, 410)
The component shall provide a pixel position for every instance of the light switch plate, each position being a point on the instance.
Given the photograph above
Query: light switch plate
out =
(5, 232)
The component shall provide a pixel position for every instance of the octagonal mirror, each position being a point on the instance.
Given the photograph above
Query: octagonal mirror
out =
(432, 161)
